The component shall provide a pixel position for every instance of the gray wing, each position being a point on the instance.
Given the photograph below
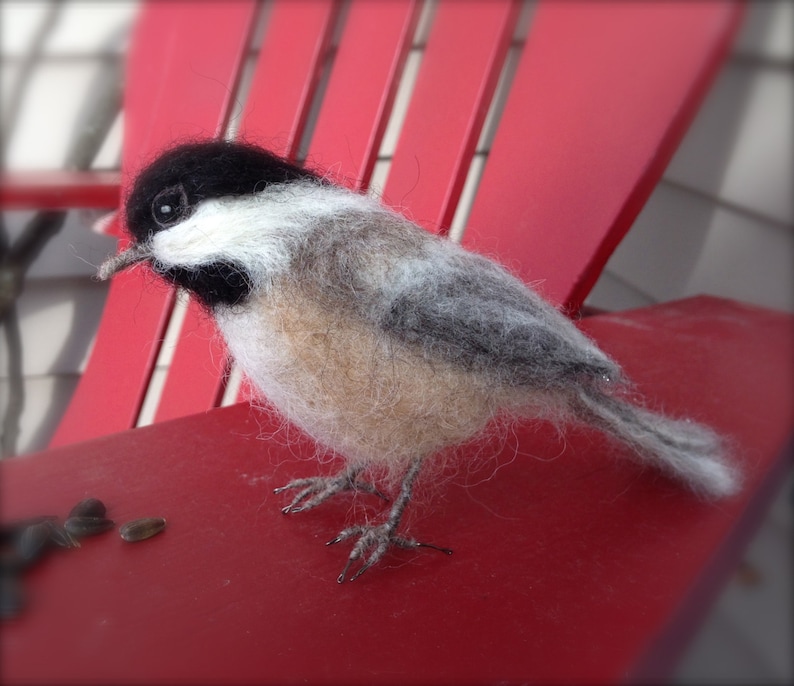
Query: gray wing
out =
(468, 310)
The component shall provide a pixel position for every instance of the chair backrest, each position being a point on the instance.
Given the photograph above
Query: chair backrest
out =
(559, 136)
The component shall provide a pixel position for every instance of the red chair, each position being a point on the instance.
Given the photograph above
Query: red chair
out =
(608, 570)
(552, 172)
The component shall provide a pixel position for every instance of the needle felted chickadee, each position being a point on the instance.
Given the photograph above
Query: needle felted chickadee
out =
(383, 342)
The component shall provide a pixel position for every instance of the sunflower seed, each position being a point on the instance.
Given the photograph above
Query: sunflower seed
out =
(89, 507)
(141, 529)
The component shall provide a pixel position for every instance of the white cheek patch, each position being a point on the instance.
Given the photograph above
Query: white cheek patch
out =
(258, 232)
(231, 230)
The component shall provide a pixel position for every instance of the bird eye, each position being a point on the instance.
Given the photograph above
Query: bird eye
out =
(169, 206)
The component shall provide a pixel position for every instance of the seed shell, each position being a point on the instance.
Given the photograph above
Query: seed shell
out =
(141, 529)
(61, 537)
(88, 526)
(10, 531)
(33, 541)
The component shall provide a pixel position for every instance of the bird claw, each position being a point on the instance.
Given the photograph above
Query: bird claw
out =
(378, 539)
(317, 489)
(373, 541)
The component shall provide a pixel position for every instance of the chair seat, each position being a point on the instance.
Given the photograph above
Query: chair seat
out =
(568, 563)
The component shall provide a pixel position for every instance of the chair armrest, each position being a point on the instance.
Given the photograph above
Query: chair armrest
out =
(59, 189)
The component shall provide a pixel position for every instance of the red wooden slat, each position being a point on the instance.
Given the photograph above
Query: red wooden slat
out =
(181, 75)
(195, 378)
(601, 98)
(288, 68)
(112, 388)
(366, 72)
(279, 97)
(569, 566)
(59, 189)
(460, 68)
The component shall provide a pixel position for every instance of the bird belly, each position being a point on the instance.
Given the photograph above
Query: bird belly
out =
(352, 388)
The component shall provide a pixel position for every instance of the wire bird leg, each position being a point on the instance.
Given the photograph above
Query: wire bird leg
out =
(317, 489)
(378, 539)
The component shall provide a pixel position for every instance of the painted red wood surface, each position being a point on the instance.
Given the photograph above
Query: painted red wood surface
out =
(357, 102)
(460, 68)
(198, 368)
(288, 69)
(112, 389)
(113, 386)
(602, 96)
(59, 189)
(569, 564)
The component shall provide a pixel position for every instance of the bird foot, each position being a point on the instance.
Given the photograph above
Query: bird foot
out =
(317, 489)
(373, 542)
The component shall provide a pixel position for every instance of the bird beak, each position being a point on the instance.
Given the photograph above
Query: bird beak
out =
(126, 258)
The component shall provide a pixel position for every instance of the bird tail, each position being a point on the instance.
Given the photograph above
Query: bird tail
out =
(685, 450)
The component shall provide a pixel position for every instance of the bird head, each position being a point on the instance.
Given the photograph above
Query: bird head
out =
(189, 219)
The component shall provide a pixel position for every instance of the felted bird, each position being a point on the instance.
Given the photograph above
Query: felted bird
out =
(383, 342)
